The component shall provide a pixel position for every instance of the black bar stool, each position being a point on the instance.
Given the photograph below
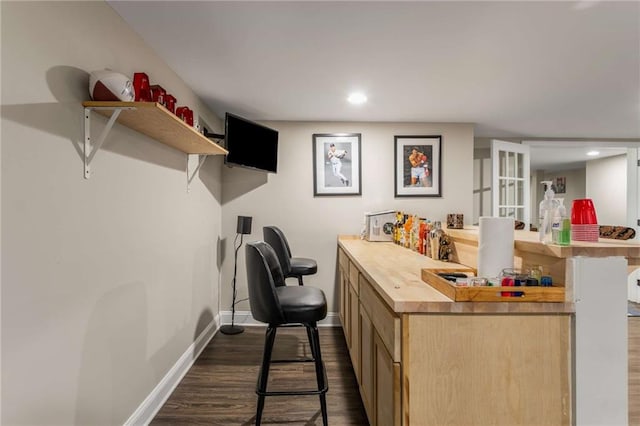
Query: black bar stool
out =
(291, 266)
(279, 305)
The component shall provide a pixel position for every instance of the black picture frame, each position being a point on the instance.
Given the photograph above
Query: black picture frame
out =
(423, 177)
(337, 164)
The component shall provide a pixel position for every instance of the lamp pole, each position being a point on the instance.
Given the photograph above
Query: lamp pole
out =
(243, 227)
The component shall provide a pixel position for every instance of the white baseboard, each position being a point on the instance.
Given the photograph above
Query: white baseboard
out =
(159, 395)
(244, 318)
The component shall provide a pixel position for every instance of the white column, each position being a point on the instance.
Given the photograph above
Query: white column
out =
(601, 344)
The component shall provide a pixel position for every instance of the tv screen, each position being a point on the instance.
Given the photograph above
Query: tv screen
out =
(250, 144)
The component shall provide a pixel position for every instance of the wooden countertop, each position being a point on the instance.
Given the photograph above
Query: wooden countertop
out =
(528, 241)
(395, 272)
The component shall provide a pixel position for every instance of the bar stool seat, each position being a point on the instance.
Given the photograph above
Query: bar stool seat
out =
(295, 267)
(278, 305)
(302, 266)
(302, 304)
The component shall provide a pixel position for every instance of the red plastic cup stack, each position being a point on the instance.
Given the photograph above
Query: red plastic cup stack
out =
(158, 94)
(189, 117)
(141, 87)
(185, 114)
(584, 222)
(170, 103)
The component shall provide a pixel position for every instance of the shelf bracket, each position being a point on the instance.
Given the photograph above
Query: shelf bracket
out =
(201, 159)
(89, 150)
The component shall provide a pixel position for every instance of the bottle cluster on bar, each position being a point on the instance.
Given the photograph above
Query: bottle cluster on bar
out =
(422, 236)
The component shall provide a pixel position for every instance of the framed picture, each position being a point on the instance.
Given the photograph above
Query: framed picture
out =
(418, 166)
(560, 185)
(336, 164)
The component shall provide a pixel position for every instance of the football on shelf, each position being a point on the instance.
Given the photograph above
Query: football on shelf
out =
(106, 85)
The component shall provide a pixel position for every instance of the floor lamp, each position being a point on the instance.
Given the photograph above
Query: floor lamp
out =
(243, 228)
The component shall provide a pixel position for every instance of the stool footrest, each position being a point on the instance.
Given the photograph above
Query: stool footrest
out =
(284, 361)
(302, 392)
(291, 393)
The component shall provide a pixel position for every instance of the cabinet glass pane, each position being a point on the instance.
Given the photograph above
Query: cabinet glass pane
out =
(502, 160)
(511, 164)
(520, 193)
(511, 193)
(520, 164)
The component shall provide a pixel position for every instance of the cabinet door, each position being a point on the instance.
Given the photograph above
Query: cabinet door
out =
(387, 385)
(354, 331)
(342, 276)
(366, 365)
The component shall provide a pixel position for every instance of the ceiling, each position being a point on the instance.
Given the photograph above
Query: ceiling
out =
(515, 69)
(557, 155)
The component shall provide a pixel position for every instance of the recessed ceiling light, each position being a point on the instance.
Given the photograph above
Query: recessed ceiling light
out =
(357, 98)
(593, 153)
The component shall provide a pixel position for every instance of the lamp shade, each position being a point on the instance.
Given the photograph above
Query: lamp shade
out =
(244, 225)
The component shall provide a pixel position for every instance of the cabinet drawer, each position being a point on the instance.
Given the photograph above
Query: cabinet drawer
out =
(386, 323)
(353, 276)
(343, 259)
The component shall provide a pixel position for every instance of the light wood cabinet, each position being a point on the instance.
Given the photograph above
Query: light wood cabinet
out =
(421, 359)
(387, 385)
(372, 333)
(380, 376)
(354, 340)
(367, 380)
(350, 308)
(343, 294)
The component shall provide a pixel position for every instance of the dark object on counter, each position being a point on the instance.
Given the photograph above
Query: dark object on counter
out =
(278, 305)
(455, 221)
(291, 266)
(452, 276)
(518, 283)
(532, 282)
(617, 232)
(546, 281)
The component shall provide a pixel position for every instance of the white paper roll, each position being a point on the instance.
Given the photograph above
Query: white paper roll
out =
(495, 245)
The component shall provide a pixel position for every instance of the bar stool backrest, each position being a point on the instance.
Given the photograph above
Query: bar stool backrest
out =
(263, 276)
(276, 239)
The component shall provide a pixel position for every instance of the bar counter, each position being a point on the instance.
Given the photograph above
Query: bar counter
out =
(422, 359)
(511, 362)
(394, 272)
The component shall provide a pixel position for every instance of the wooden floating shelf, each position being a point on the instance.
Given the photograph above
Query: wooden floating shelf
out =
(154, 120)
(490, 294)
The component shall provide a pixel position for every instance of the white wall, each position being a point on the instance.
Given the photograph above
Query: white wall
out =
(575, 189)
(482, 170)
(606, 185)
(107, 281)
(312, 225)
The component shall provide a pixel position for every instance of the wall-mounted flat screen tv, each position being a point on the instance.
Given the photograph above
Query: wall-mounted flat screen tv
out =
(250, 144)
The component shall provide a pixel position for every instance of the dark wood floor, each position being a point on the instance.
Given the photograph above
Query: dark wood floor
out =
(220, 387)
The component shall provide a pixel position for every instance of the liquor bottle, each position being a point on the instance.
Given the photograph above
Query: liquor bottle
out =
(436, 234)
(421, 235)
(427, 241)
(407, 230)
